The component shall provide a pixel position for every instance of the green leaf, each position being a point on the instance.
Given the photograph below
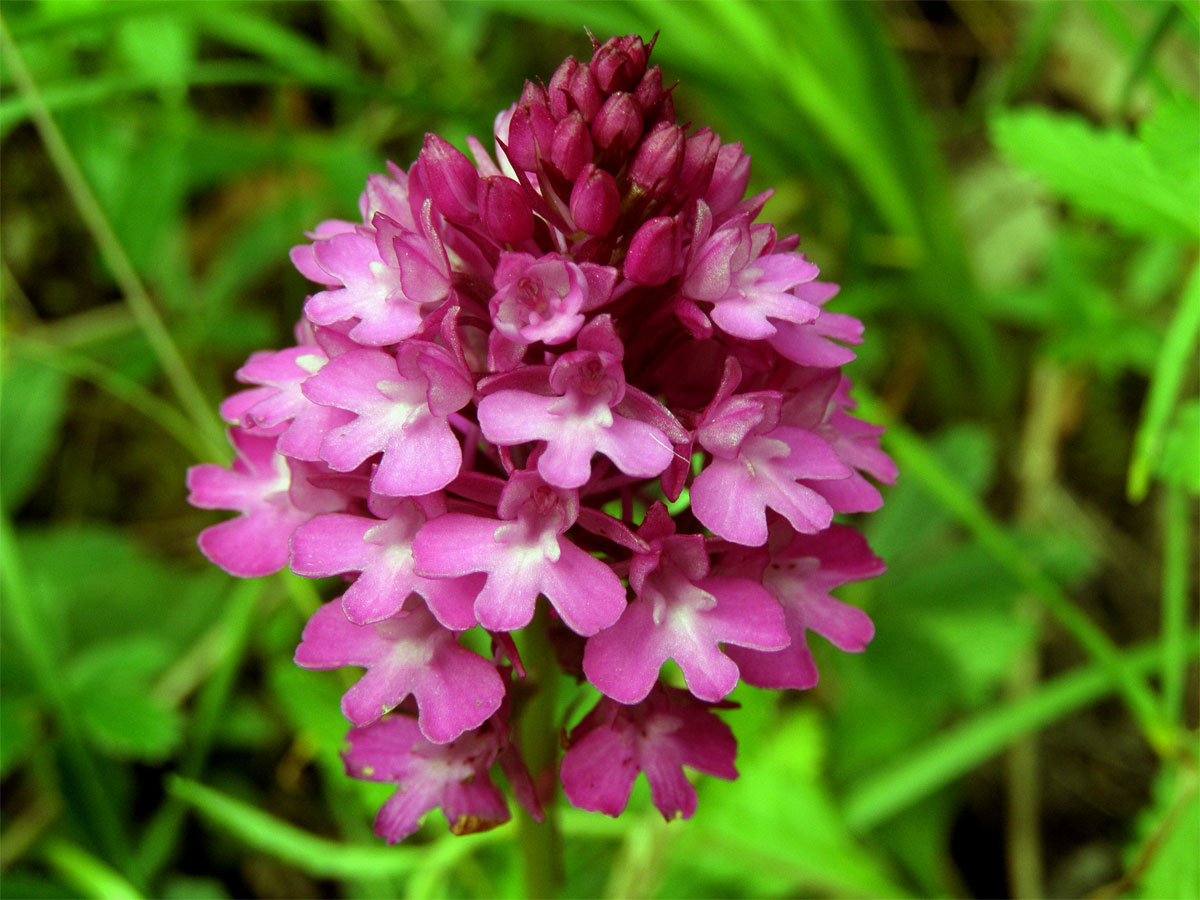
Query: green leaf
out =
(1169, 834)
(308, 852)
(1179, 464)
(130, 595)
(18, 731)
(1176, 357)
(110, 687)
(92, 877)
(31, 414)
(807, 847)
(160, 47)
(1104, 172)
(878, 795)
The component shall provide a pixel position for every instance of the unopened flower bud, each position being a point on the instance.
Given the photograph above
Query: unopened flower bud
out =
(654, 252)
(573, 88)
(451, 178)
(699, 160)
(530, 131)
(618, 63)
(504, 209)
(649, 91)
(572, 147)
(595, 202)
(659, 158)
(730, 177)
(618, 125)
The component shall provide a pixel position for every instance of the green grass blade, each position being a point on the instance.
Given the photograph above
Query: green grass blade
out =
(917, 462)
(1177, 563)
(91, 877)
(316, 855)
(163, 831)
(174, 367)
(1178, 353)
(953, 753)
(23, 620)
(116, 385)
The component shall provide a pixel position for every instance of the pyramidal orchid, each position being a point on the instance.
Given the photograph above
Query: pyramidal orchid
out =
(565, 393)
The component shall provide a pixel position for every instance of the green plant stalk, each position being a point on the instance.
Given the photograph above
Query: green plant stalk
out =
(25, 624)
(873, 800)
(162, 833)
(91, 877)
(916, 461)
(1177, 564)
(176, 370)
(1174, 358)
(1145, 54)
(541, 842)
(316, 855)
(118, 386)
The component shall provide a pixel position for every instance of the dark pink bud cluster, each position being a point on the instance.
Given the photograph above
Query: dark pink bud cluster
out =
(575, 373)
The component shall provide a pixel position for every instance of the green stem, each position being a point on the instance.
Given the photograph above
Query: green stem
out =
(541, 842)
(163, 831)
(86, 873)
(1177, 551)
(24, 620)
(119, 386)
(916, 461)
(176, 370)
(874, 799)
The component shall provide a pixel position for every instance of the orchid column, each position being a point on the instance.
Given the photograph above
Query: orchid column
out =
(569, 387)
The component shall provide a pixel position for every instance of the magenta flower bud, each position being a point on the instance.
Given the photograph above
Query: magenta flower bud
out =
(572, 147)
(654, 253)
(729, 179)
(530, 133)
(573, 88)
(618, 125)
(452, 179)
(649, 91)
(504, 209)
(655, 169)
(619, 62)
(595, 202)
(699, 160)
(559, 90)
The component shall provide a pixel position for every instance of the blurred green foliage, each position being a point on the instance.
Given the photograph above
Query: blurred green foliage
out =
(1009, 194)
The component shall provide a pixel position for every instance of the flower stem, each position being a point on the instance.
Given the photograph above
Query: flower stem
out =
(541, 842)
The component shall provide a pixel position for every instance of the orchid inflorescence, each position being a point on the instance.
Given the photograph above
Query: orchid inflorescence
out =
(579, 370)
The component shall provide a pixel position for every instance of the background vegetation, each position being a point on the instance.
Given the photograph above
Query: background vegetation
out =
(1009, 194)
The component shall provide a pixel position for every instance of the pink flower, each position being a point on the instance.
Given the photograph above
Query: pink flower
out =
(524, 554)
(409, 653)
(507, 369)
(452, 776)
(658, 737)
(681, 613)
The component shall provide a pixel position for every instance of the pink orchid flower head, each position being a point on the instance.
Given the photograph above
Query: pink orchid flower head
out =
(567, 395)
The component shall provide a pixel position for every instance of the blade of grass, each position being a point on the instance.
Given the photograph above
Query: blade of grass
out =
(86, 92)
(116, 385)
(1177, 354)
(91, 877)
(23, 616)
(1177, 552)
(916, 461)
(951, 754)
(312, 854)
(174, 367)
(1145, 53)
(161, 835)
